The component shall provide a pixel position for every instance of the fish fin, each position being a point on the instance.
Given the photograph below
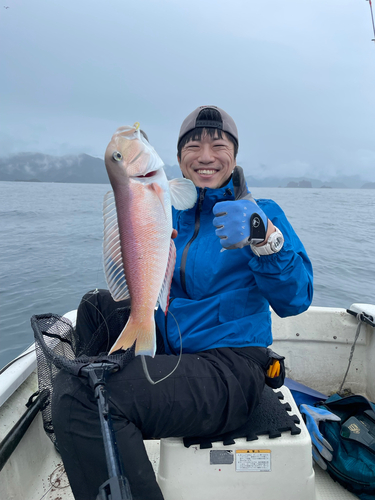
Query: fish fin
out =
(154, 186)
(112, 256)
(183, 193)
(163, 299)
(145, 338)
(126, 338)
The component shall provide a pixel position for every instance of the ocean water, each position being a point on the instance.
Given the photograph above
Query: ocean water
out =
(51, 248)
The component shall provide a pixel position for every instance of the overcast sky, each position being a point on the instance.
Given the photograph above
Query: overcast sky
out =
(297, 76)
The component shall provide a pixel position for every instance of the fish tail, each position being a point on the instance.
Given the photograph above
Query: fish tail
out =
(142, 333)
(146, 341)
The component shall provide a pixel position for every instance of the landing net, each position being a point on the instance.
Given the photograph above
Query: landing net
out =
(59, 348)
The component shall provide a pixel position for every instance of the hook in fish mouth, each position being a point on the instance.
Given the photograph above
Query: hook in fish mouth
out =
(127, 130)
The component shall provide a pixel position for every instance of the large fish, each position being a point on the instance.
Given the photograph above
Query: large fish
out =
(139, 254)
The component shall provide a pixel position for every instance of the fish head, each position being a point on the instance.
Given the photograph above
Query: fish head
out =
(130, 155)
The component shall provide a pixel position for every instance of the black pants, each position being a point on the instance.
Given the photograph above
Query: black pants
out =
(210, 393)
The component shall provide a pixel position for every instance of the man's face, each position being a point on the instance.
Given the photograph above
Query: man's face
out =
(208, 162)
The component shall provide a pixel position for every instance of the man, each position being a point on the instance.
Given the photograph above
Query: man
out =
(220, 318)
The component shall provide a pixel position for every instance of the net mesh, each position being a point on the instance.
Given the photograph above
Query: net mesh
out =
(58, 347)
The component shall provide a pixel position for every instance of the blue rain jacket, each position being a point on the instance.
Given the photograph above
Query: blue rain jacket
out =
(222, 299)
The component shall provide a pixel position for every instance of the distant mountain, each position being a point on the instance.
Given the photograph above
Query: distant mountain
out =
(45, 168)
(34, 167)
(283, 182)
(37, 167)
(338, 182)
(300, 184)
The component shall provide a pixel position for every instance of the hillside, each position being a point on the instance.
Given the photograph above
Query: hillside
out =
(38, 167)
(45, 168)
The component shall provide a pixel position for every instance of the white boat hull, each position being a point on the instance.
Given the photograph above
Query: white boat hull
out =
(316, 345)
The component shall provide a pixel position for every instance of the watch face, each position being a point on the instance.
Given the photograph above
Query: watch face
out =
(277, 243)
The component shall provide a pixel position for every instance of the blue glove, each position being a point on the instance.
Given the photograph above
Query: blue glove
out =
(321, 449)
(239, 223)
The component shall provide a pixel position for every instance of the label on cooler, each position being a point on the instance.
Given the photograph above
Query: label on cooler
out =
(253, 460)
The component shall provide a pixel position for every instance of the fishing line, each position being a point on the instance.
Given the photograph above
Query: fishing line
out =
(144, 365)
(101, 314)
(143, 359)
(372, 18)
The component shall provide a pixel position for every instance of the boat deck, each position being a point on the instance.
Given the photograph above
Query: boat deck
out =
(35, 471)
(52, 483)
(47, 478)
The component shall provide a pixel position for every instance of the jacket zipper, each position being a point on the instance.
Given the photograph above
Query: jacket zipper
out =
(198, 210)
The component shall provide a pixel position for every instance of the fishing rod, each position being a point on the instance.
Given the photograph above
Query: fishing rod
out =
(372, 18)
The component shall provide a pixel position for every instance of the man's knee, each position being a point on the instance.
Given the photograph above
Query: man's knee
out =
(69, 391)
(99, 321)
(94, 298)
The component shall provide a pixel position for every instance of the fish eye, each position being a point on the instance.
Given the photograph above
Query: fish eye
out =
(117, 156)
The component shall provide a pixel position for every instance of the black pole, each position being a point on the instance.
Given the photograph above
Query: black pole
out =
(117, 486)
(14, 436)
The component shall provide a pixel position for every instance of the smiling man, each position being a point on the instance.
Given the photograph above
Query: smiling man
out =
(207, 150)
(206, 154)
(220, 320)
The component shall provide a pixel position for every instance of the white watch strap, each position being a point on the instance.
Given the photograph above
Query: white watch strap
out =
(266, 249)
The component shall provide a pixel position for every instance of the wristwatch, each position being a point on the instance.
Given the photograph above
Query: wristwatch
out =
(274, 244)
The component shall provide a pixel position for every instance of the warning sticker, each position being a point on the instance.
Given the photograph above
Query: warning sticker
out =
(253, 460)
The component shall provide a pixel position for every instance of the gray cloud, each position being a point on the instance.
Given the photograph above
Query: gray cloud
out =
(296, 76)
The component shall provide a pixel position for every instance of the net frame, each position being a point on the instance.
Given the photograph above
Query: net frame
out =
(58, 347)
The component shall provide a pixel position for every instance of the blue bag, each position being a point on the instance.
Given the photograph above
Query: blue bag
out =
(303, 394)
(353, 442)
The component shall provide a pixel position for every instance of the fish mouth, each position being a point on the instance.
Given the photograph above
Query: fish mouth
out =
(149, 174)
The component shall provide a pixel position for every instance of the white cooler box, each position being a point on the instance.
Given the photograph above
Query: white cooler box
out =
(263, 469)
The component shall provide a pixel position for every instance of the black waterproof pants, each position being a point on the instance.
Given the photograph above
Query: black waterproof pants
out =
(210, 393)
